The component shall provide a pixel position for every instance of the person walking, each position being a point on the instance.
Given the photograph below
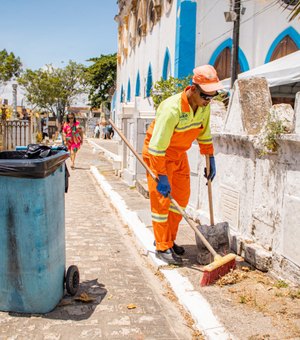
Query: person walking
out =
(180, 119)
(97, 131)
(73, 137)
(45, 130)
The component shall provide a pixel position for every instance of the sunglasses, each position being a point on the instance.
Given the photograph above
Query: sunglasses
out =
(71, 117)
(206, 96)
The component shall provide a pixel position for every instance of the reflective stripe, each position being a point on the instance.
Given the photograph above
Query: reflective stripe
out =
(188, 127)
(159, 217)
(206, 140)
(174, 209)
(156, 152)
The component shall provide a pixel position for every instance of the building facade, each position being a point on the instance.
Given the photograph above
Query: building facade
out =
(162, 38)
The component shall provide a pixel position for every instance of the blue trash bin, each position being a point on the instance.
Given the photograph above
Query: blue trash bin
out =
(32, 232)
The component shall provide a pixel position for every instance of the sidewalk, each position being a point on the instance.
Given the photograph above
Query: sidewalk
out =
(251, 307)
(129, 301)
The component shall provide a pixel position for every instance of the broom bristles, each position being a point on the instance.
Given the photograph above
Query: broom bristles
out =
(210, 276)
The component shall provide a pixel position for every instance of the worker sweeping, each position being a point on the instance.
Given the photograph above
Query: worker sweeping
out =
(180, 119)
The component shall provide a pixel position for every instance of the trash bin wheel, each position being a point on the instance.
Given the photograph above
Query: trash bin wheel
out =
(72, 280)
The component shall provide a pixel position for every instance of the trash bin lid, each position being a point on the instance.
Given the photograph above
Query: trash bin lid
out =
(13, 164)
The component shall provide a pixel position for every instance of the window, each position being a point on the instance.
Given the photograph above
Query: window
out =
(138, 85)
(223, 64)
(167, 65)
(122, 95)
(284, 47)
(149, 81)
(128, 91)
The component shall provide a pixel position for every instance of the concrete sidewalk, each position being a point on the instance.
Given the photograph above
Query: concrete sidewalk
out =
(135, 211)
(128, 299)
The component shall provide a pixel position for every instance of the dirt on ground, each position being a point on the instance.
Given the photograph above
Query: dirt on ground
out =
(253, 305)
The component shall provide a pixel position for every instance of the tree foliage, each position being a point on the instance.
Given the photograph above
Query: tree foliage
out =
(101, 76)
(53, 89)
(295, 12)
(163, 89)
(10, 66)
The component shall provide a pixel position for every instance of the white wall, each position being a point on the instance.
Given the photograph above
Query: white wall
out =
(262, 22)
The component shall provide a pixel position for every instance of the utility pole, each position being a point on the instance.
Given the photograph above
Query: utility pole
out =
(235, 41)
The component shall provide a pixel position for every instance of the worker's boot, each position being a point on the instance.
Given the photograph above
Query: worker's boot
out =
(168, 256)
(179, 250)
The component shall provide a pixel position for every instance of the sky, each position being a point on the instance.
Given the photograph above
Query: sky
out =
(53, 32)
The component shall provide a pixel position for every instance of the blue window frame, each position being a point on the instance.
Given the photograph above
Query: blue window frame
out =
(122, 95)
(128, 91)
(138, 85)
(149, 81)
(167, 65)
(228, 43)
(291, 32)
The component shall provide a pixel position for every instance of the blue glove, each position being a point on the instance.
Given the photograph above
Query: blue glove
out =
(212, 165)
(163, 186)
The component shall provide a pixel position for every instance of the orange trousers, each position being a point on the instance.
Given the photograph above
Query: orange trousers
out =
(165, 216)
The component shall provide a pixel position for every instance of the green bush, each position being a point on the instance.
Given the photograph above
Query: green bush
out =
(163, 89)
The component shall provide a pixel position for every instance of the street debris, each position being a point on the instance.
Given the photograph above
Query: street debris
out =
(84, 297)
(131, 306)
(234, 276)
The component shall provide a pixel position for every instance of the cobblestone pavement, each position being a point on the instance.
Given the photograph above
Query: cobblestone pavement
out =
(112, 273)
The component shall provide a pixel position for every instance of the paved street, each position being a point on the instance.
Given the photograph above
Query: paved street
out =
(112, 273)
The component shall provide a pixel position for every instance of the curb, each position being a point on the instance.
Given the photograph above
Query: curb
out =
(193, 301)
(107, 154)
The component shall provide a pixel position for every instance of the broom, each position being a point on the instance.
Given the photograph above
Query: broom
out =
(221, 264)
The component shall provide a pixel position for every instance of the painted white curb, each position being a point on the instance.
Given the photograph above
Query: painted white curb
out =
(107, 153)
(192, 300)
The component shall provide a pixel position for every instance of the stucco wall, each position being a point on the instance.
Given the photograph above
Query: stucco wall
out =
(261, 24)
(257, 194)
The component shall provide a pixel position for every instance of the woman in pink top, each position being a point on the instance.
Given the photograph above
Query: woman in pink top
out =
(73, 138)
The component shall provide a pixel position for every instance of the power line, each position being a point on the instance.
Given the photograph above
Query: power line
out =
(209, 12)
(267, 7)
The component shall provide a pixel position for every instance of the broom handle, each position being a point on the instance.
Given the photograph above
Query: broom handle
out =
(209, 189)
(178, 207)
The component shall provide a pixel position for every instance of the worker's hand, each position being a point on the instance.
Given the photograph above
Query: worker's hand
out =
(212, 172)
(163, 185)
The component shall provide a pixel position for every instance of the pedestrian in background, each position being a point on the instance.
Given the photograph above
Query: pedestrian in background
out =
(73, 137)
(103, 125)
(97, 131)
(45, 129)
(179, 120)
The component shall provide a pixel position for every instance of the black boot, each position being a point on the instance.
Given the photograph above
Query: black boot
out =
(177, 249)
(168, 256)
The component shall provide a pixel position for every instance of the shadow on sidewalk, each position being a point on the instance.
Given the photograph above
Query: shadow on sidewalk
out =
(71, 309)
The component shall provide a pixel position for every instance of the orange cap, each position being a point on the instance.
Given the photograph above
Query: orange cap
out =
(206, 76)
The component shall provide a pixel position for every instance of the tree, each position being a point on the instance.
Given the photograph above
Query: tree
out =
(10, 66)
(53, 89)
(296, 11)
(101, 76)
(163, 89)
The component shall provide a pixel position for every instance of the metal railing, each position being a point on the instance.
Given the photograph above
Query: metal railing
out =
(13, 133)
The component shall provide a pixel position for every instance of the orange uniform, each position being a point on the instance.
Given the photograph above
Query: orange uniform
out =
(168, 138)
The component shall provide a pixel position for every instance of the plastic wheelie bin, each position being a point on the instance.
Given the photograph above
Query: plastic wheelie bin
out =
(32, 232)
